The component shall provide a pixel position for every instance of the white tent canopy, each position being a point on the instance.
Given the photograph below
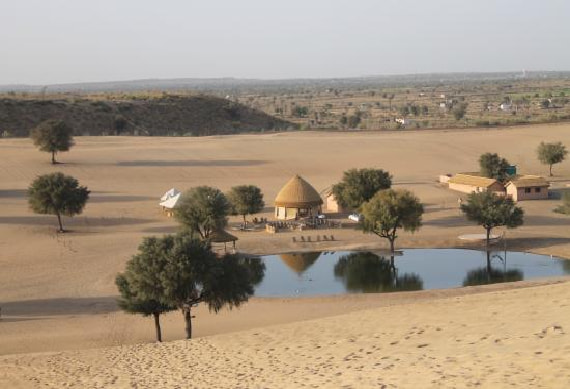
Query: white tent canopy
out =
(170, 198)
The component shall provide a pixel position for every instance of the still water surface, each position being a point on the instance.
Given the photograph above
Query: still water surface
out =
(316, 273)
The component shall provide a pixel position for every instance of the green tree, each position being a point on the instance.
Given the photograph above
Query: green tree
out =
(391, 210)
(202, 210)
(245, 200)
(354, 120)
(300, 111)
(459, 111)
(53, 136)
(57, 194)
(140, 285)
(490, 211)
(493, 166)
(564, 208)
(360, 185)
(551, 153)
(193, 275)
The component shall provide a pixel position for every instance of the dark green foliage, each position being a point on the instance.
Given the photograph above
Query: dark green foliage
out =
(245, 200)
(300, 111)
(360, 185)
(369, 273)
(130, 301)
(493, 166)
(459, 111)
(490, 211)
(193, 274)
(180, 271)
(354, 120)
(120, 124)
(551, 153)
(391, 210)
(57, 194)
(202, 210)
(53, 136)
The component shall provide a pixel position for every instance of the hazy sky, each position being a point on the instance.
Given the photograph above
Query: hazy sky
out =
(59, 41)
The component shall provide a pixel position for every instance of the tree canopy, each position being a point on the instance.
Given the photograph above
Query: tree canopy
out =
(245, 200)
(360, 185)
(551, 154)
(142, 268)
(493, 166)
(490, 211)
(203, 210)
(181, 271)
(391, 210)
(53, 136)
(57, 194)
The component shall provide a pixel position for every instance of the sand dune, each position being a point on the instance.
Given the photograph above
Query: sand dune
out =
(58, 290)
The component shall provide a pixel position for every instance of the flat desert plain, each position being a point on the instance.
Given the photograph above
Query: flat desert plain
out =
(60, 326)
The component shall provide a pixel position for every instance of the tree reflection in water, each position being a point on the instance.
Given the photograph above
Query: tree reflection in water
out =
(370, 273)
(488, 275)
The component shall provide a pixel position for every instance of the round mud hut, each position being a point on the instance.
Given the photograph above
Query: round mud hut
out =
(297, 199)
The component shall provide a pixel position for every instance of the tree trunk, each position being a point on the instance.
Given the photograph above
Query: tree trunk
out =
(391, 246)
(488, 238)
(53, 157)
(59, 221)
(550, 170)
(188, 320)
(488, 266)
(157, 326)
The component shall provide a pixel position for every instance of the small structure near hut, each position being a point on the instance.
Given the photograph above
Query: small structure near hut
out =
(528, 188)
(169, 200)
(297, 199)
(473, 182)
(222, 236)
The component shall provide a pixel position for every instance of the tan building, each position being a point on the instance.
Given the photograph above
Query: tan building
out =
(331, 205)
(472, 182)
(297, 199)
(528, 188)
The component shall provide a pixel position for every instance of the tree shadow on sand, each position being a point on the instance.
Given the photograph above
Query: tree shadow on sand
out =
(192, 163)
(59, 306)
(13, 193)
(71, 222)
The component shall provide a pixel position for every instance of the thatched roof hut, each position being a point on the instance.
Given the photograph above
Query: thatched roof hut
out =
(297, 199)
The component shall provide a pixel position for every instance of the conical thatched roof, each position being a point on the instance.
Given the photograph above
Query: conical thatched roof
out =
(298, 193)
(300, 262)
(221, 236)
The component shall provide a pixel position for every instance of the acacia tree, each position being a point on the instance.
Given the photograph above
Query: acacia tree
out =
(57, 194)
(193, 274)
(551, 153)
(202, 210)
(140, 285)
(53, 136)
(391, 210)
(245, 200)
(360, 185)
(493, 166)
(490, 211)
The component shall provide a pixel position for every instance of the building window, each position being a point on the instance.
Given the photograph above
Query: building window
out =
(537, 190)
(526, 190)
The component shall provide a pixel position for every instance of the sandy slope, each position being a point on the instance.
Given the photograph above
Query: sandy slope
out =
(57, 291)
(492, 340)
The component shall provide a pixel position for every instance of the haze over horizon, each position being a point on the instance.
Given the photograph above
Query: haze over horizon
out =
(65, 41)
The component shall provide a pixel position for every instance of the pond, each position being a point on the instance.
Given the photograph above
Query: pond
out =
(326, 273)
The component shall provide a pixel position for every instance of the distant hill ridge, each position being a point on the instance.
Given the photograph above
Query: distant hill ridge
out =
(152, 116)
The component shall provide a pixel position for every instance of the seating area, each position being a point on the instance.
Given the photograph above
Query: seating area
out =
(309, 239)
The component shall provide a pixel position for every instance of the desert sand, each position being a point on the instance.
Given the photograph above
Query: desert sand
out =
(60, 325)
